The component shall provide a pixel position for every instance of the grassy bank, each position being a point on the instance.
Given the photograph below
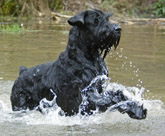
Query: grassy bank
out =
(42, 8)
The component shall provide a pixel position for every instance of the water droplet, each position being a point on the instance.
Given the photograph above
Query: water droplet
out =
(126, 57)
(120, 56)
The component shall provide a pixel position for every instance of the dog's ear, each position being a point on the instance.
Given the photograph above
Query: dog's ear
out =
(108, 14)
(78, 20)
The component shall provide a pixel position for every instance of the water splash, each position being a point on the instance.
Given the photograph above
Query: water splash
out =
(127, 65)
(52, 116)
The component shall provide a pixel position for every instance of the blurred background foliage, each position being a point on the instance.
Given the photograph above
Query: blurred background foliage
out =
(129, 8)
(159, 8)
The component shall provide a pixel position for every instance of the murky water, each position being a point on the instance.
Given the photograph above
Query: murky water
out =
(138, 62)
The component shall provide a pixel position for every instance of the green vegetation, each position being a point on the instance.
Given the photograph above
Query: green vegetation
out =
(29, 7)
(43, 8)
(15, 28)
(55, 5)
(159, 8)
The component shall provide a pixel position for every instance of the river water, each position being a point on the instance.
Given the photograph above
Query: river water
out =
(139, 63)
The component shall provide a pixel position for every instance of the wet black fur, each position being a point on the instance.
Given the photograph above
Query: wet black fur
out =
(90, 39)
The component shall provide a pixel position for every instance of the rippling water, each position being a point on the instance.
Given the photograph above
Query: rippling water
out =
(138, 64)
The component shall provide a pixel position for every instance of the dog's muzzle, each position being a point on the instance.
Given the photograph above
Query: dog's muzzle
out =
(109, 36)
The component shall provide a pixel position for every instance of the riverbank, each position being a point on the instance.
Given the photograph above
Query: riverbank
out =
(122, 8)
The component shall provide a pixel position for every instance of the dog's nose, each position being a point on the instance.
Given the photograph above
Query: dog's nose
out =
(117, 28)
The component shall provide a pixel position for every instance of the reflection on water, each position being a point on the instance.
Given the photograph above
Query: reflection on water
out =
(139, 62)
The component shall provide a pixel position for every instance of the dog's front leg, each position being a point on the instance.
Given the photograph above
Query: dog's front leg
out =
(106, 99)
(114, 100)
(133, 109)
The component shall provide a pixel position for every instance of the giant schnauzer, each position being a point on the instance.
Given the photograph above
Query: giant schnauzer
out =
(69, 77)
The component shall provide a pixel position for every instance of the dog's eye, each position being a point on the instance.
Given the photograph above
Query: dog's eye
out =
(96, 21)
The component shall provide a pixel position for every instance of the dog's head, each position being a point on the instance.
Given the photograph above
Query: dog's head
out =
(98, 33)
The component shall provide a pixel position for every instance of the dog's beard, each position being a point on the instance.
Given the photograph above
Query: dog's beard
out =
(107, 43)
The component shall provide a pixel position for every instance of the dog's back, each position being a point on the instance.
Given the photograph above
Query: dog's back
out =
(29, 87)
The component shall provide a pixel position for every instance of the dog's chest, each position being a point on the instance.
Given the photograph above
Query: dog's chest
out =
(88, 70)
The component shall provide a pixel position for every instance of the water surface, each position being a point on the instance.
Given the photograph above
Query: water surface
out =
(138, 62)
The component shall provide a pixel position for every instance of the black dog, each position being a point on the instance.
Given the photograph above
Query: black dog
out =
(91, 36)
